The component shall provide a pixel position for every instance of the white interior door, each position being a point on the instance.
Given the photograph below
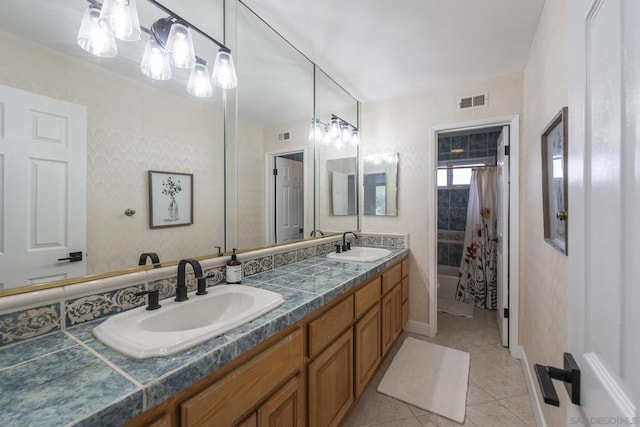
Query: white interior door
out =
(604, 204)
(340, 193)
(42, 188)
(502, 234)
(289, 206)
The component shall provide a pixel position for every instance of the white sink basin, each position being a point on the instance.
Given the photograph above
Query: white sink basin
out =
(177, 326)
(360, 254)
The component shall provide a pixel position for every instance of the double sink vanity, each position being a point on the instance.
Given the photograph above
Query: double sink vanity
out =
(294, 345)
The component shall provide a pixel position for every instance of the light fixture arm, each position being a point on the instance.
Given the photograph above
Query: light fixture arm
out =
(334, 116)
(173, 15)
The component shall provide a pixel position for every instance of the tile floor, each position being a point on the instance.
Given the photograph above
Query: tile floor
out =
(497, 394)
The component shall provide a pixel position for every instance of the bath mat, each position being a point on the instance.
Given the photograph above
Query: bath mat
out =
(429, 376)
(451, 306)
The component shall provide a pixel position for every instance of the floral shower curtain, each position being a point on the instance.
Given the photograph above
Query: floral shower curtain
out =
(477, 283)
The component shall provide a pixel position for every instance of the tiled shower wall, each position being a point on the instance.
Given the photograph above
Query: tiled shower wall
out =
(452, 202)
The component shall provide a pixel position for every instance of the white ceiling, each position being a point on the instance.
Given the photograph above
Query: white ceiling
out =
(379, 49)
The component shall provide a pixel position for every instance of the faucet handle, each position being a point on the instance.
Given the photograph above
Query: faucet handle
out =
(338, 248)
(202, 284)
(154, 296)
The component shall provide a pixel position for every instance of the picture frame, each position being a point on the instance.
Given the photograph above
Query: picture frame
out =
(554, 141)
(170, 199)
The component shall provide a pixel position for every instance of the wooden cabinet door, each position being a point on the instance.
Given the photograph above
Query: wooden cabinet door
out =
(331, 383)
(252, 421)
(397, 311)
(285, 408)
(367, 348)
(386, 329)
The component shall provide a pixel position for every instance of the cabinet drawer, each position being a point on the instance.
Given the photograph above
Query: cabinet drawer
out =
(391, 277)
(367, 296)
(327, 327)
(228, 400)
(405, 289)
(405, 268)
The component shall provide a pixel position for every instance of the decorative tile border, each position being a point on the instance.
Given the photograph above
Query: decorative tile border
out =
(31, 323)
(101, 298)
(94, 307)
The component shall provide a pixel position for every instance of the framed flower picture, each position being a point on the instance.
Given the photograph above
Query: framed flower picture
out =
(170, 199)
(554, 181)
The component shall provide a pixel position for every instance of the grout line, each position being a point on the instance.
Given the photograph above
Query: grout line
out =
(37, 357)
(115, 367)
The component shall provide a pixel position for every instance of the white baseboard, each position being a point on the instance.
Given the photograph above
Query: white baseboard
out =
(419, 328)
(533, 392)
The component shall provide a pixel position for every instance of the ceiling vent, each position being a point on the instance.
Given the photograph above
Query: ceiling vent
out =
(473, 101)
(284, 136)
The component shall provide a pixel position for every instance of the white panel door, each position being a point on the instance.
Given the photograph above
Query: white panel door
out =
(502, 207)
(340, 193)
(604, 204)
(289, 206)
(42, 188)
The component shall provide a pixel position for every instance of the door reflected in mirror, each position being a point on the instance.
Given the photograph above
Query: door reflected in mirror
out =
(341, 174)
(380, 182)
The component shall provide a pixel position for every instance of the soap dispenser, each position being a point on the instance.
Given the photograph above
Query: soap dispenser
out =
(234, 270)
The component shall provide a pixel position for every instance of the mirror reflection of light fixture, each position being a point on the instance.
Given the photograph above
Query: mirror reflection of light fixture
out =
(121, 18)
(179, 46)
(338, 132)
(199, 81)
(154, 63)
(170, 38)
(224, 73)
(94, 38)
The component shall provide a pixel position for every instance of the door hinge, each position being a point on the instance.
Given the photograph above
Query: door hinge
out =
(275, 171)
(506, 313)
(507, 150)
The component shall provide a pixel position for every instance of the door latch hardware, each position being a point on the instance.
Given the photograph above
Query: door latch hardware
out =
(73, 257)
(570, 375)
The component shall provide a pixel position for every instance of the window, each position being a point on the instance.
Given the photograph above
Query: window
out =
(448, 177)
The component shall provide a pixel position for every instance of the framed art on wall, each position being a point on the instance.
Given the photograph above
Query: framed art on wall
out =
(170, 199)
(554, 181)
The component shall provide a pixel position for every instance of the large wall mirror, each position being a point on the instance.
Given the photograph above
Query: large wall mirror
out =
(337, 177)
(270, 195)
(229, 143)
(133, 124)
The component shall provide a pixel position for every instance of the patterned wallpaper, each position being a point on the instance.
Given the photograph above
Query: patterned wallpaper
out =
(402, 124)
(543, 273)
(132, 127)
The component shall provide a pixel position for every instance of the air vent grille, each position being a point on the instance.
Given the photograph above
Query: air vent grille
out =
(284, 136)
(473, 101)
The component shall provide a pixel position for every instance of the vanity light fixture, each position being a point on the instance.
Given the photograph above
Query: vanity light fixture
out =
(170, 43)
(224, 73)
(92, 37)
(338, 132)
(199, 81)
(120, 17)
(154, 62)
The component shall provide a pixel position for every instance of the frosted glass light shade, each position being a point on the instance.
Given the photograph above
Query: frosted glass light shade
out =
(334, 129)
(93, 38)
(224, 72)
(179, 46)
(199, 81)
(345, 134)
(120, 17)
(315, 131)
(326, 137)
(355, 138)
(154, 63)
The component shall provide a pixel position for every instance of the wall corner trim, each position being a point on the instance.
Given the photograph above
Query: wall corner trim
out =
(533, 391)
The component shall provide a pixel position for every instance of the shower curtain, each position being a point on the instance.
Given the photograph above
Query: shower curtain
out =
(477, 283)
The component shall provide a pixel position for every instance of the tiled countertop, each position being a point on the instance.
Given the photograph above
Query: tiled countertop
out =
(71, 378)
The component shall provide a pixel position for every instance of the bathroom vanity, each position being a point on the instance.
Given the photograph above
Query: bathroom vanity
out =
(311, 373)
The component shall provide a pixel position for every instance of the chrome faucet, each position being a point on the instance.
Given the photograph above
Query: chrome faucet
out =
(347, 245)
(181, 287)
(315, 232)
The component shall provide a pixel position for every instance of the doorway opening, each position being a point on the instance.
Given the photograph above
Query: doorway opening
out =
(285, 189)
(474, 260)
